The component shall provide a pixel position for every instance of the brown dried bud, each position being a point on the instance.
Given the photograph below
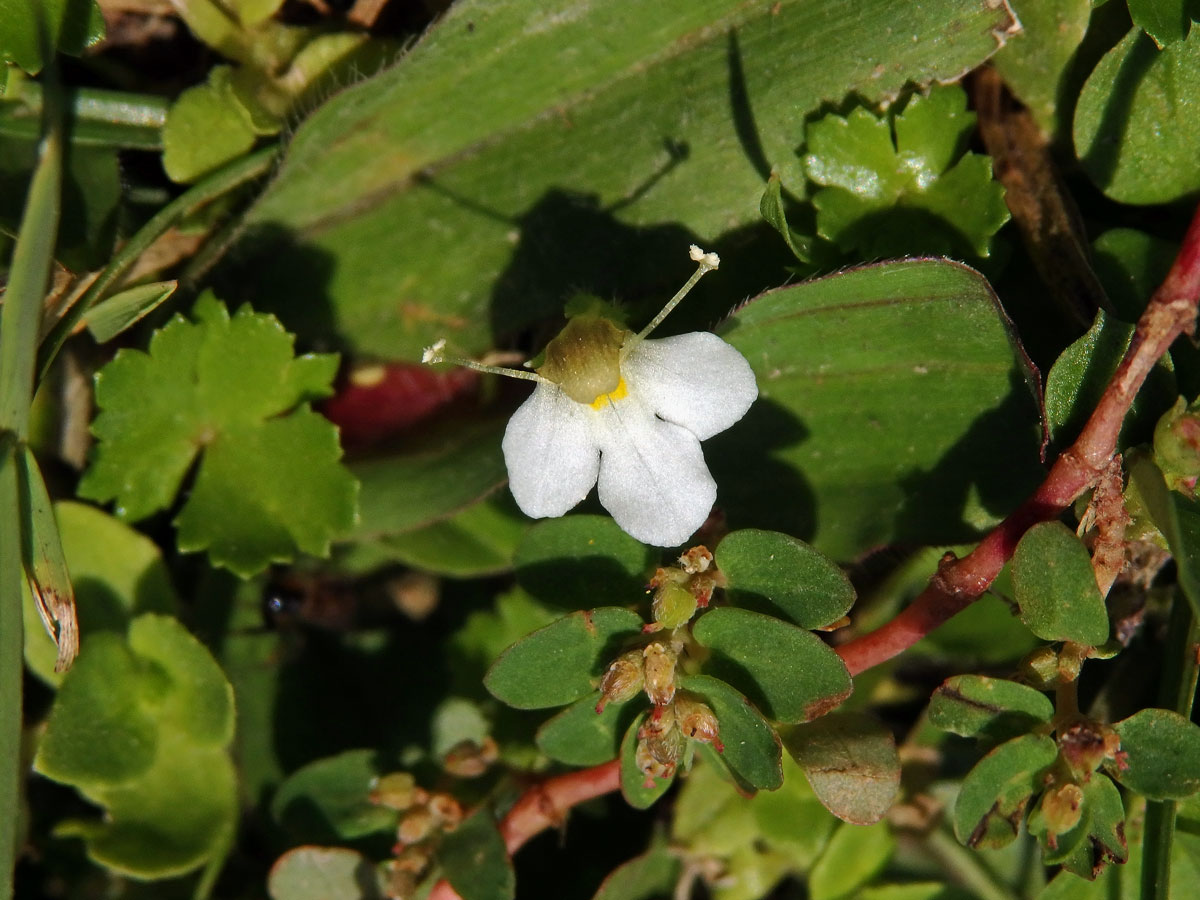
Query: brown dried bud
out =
(697, 560)
(396, 790)
(412, 859)
(446, 811)
(1086, 745)
(657, 755)
(697, 721)
(673, 605)
(416, 825)
(659, 672)
(399, 883)
(468, 759)
(623, 679)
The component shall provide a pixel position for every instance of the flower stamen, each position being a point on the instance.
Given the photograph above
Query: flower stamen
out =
(707, 262)
(434, 354)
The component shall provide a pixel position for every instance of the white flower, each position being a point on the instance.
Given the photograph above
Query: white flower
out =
(613, 408)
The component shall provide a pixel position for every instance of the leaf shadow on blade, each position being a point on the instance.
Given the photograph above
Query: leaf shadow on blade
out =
(275, 272)
(753, 486)
(993, 466)
(1100, 160)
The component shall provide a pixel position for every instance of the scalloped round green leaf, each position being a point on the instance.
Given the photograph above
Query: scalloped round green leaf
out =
(1134, 135)
(99, 732)
(473, 859)
(753, 750)
(854, 856)
(790, 672)
(633, 781)
(779, 575)
(1056, 588)
(1164, 754)
(172, 807)
(995, 708)
(117, 573)
(560, 663)
(561, 561)
(996, 792)
(327, 800)
(851, 762)
(839, 360)
(323, 873)
(580, 736)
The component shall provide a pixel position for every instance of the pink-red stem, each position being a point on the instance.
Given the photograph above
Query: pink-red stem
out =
(958, 582)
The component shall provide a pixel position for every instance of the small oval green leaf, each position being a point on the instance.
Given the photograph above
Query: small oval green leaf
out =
(996, 792)
(557, 664)
(752, 748)
(790, 672)
(1163, 750)
(323, 873)
(978, 706)
(1056, 588)
(475, 862)
(776, 574)
(580, 736)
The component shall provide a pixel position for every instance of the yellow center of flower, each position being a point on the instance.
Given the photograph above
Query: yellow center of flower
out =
(604, 399)
(585, 360)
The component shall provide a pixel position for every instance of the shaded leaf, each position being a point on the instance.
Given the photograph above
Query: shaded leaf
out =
(563, 561)
(776, 574)
(1164, 754)
(752, 748)
(996, 792)
(1132, 135)
(978, 706)
(142, 729)
(71, 28)
(474, 861)
(1079, 376)
(653, 874)
(1166, 21)
(851, 762)
(206, 127)
(854, 856)
(645, 90)
(327, 800)
(118, 573)
(580, 736)
(1056, 588)
(838, 362)
(560, 663)
(771, 208)
(1105, 840)
(795, 674)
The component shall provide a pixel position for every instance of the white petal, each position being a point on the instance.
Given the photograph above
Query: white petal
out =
(695, 380)
(653, 479)
(550, 453)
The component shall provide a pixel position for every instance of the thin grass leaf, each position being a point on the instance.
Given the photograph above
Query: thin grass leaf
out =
(110, 317)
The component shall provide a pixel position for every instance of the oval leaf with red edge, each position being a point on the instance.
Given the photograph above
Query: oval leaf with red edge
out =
(851, 762)
(580, 736)
(996, 793)
(1056, 587)
(790, 673)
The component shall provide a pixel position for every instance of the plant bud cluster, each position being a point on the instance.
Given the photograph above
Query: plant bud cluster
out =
(662, 738)
(425, 817)
(680, 591)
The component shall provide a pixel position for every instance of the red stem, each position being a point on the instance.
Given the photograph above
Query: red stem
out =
(544, 805)
(959, 582)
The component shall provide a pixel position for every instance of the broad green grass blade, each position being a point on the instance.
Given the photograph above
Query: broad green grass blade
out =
(526, 149)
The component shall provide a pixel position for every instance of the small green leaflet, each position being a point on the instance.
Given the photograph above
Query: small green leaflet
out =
(895, 186)
(228, 390)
